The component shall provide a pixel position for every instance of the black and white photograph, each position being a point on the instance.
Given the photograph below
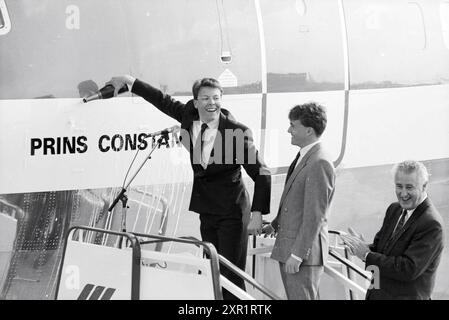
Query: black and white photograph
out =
(244, 150)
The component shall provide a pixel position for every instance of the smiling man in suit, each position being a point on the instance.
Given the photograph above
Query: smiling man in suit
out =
(219, 146)
(301, 245)
(407, 249)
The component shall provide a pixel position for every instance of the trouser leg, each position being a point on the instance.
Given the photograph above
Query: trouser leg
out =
(304, 284)
(229, 236)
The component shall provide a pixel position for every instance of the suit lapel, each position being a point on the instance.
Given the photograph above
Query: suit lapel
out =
(391, 224)
(416, 214)
(297, 170)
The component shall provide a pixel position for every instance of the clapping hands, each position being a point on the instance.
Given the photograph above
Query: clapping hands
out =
(355, 243)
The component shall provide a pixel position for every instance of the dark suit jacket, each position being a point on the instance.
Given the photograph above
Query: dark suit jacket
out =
(218, 189)
(408, 263)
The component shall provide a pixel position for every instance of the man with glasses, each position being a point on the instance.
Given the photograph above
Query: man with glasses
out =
(219, 146)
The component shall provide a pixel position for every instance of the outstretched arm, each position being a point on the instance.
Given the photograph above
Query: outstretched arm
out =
(163, 102)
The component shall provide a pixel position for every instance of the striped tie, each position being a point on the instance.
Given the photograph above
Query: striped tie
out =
(400, 223)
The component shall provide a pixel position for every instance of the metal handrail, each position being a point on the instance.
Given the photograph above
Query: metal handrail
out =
(343, 260)
(348, 282)
(350, 267)
(210, 249)
(349, 264)
(240, 273)
(332, 252)
(135, 269)
(16, 211)
(164, 214)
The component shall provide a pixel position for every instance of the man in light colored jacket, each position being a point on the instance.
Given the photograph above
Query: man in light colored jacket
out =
(301, 245)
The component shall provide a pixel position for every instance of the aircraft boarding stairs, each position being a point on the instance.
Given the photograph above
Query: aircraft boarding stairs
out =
(343, 279)
(126, 265)
(9, 215)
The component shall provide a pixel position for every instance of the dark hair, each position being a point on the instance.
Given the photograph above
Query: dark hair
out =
(311, 115)
(205, 82)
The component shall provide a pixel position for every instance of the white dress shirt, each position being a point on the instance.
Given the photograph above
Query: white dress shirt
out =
(209, 138)
(304, 151)
(408, 215)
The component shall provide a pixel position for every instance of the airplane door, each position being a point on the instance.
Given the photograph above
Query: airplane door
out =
(305, 61)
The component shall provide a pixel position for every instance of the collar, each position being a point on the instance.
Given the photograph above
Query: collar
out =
(307, 148)
(212, 125)
(410, 212)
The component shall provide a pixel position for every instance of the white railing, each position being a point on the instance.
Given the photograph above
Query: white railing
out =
(265, 246)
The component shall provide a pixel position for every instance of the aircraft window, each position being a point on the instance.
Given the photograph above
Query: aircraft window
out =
(5, 23)
(444, 14)
(303, 45)
(388, 45)
(216, 38)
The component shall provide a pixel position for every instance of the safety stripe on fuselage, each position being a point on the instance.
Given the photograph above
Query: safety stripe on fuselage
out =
(97, 293)
(85, 292)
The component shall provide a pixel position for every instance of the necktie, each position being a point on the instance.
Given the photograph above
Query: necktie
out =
(292, 166)
(400, 223)
(198, 148)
